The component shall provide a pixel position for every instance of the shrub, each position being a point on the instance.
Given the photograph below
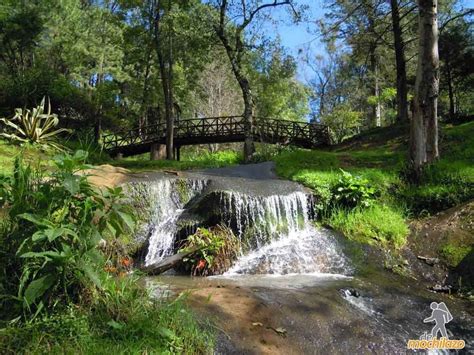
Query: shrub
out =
(216, 249)
(352, 191)
(50, 247)
(342, 122)
(36, 126)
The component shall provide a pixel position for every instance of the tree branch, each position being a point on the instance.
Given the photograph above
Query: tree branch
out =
(466, 13)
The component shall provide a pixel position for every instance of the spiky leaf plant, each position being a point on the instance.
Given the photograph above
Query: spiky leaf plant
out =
(37, 126)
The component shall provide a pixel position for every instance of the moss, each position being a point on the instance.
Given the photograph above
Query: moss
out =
(454, 254)
(183, 190)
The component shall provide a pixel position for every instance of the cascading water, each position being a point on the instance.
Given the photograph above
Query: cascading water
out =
(281, 236)
(162, 201)
(275, 231)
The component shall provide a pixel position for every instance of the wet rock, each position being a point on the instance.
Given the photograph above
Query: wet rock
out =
(441, 288)
(428, 261)
(345, 292)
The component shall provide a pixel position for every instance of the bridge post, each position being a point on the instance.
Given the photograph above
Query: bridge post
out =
(118, 156)
(178, 153)
(157, 151)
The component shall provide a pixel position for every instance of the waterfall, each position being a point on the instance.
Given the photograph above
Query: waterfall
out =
(281, 237)
(268, 216)
(161, 204)
(276, 231)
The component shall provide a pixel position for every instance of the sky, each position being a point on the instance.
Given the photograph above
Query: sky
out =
(297, 36)
(294, 37)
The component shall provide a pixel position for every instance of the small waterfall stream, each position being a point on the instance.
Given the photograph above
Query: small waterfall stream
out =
(276, 232)
(162, 201)
(309, 297)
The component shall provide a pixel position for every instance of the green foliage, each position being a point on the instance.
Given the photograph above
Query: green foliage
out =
(454, 254)
(191, 160)
(50, 247)
(387, 95)
(342, 122)
(277, 93)
(378, 223)
(216, 249)
(351, 191)
(439, 190)
(124, 318)
(36, 126)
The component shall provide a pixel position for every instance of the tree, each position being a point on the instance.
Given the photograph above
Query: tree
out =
(456, 52)
(164, 51)
(424, 124)
(277, 94)
(402, 89)
(342, 122)
(232, 36)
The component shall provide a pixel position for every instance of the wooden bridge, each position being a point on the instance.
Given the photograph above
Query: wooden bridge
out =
(216, 130)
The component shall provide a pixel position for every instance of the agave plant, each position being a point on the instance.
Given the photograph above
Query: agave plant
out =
(36, 126)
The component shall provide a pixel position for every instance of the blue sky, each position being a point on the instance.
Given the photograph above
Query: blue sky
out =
(296, 36)
(293, 37)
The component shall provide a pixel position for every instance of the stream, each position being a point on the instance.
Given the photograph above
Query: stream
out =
(295, 288)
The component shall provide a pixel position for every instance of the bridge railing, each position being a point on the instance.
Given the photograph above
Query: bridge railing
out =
(264, 129)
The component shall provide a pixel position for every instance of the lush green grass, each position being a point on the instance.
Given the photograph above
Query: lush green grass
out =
(126, 321)
(30, 154)
(188, 161)
(446, 183)
(376, 224)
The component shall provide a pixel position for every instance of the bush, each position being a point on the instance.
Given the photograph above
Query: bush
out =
(342, 122)
(377, 223)
(352, 191)
(50, 253)
(217, 248)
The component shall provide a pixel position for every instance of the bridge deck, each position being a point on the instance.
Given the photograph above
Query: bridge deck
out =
(217, 130)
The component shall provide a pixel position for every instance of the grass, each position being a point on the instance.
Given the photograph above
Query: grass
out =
(124, 326)
(30, 154)
(454, 254)
(380, 158)
(377, 224)
(190, 160)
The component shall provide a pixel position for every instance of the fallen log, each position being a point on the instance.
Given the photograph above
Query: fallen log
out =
(428, 261)
(173, 172)
(168, 262)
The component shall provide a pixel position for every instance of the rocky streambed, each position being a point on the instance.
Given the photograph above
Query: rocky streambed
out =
(295, 288)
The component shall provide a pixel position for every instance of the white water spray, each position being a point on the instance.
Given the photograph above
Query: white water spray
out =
(164, 201)
(275, 230)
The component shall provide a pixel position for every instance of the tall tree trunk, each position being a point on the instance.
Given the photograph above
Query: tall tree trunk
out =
(142, 120)
(169, 102)
(424, 127)
(166, 78)
(402, 90)
(452, 106)
(377, 111)
(235, 60)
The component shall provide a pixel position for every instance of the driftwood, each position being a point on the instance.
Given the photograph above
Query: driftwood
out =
(169, 262)
(173, 172)
(428, 261)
